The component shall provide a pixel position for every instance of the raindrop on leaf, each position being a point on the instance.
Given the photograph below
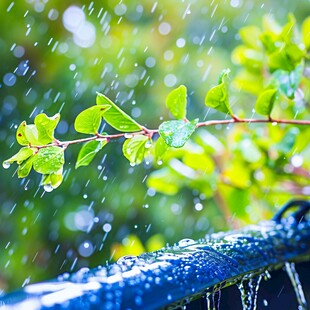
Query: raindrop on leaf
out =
(48, 188)
(6, 165)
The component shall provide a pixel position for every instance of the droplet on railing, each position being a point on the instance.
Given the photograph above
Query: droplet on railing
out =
(294, 277)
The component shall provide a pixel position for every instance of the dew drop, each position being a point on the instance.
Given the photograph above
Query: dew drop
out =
(128, 135)
(186, 242)
(6, 165)
(48, 188)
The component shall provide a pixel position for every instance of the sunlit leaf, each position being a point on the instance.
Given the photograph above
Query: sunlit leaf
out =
(32, 135)
(176, 102)
(288, 29)
(164, 181)
(88, 121)
(46, 127)
(217, 97)
(305, 30)
(25, 167)
(160, 148)
(21, 135)
(49, 160)
(265, 102)
(21, 155)
(288, 82)
(247, 57)
(250, 36)
(176, 133)
(88, 152)
(116, 117)
(201, 162)
(134, 149)
(251, 82)
(52, 181)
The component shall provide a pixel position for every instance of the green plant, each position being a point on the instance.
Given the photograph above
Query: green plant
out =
(273, 62)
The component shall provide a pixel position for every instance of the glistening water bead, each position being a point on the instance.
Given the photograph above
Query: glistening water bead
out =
(6, 165)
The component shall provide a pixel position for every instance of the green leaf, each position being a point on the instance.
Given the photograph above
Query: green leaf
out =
(288, 82)
(49, 160)
(23, 154)
(164, 181)
(21, 135)
(217, 97)
(265, 101)
(46, 127)
(25, 167)
(52, 181)
(305, 31)
(288, 29)
(250, 36)
(32, 135)
(88, 121)
(176, 102)
(116, 117)
(177, 133)
(88, 152)
(134, 149)
(160, 148)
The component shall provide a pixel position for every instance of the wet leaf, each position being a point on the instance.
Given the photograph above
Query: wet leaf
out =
(88, 152)
(49, 160)
(217, 97)
(89, 120)
(200, 162)
(46, 127)
(116, 117)
(250, 36)
(177, 133)
(305, 30)
(176, 102)
(265, 102)
(134, 149)
(32, 135)
(25, 167)
(288, 82)
(21, 135)
(52, 181)
(23, 154)
(160, 148)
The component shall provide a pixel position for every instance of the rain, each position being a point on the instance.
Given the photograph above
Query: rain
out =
(55, 57)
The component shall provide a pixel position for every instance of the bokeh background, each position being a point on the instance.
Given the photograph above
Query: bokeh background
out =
(54, 56)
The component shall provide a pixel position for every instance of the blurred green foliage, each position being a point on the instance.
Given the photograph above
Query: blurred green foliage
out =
(223, 177)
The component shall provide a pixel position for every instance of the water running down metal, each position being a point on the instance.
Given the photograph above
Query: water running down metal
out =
(175, 275)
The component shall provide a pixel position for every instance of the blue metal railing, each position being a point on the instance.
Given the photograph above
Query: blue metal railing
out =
(176, 274)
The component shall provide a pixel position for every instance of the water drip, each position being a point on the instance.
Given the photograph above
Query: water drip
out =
(249, 289)
(294, 277)
(213, 300)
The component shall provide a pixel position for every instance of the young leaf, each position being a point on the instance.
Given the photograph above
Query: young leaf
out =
(116, 117)
(32, 135)
(176, 133)
(288, 82)
(134, 149)
(88, 152)
(217, 97)
(49, 160)
(46, 127)
(25, 167)
(265, 101)
(52, 181)
(176, 102)
(21, 135)
(88, 121)
(23, 154)
(305, 30)
(160, 148)
(250, 36)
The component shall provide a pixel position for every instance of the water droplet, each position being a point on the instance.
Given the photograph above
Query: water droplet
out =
(186, 242)
(6, 165)
(48, 187)
(128, 135)
(148, 144)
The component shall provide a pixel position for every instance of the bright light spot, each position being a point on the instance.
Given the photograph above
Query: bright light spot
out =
(83, 220)
(168, 55)
(72, 67)
(180, 42)
(170, 80)
(131, 80)
(176, 209)
(297, 161)
(107, 227)
(53, 14)
(9, 79)
(235, 3)
(136, 112)
(86, 249)
(120, 9)
(198, 206)
(150, 62)
(164, 28)
(84, 32)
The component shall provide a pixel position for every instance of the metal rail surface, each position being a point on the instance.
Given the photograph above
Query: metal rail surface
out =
(178, 273)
